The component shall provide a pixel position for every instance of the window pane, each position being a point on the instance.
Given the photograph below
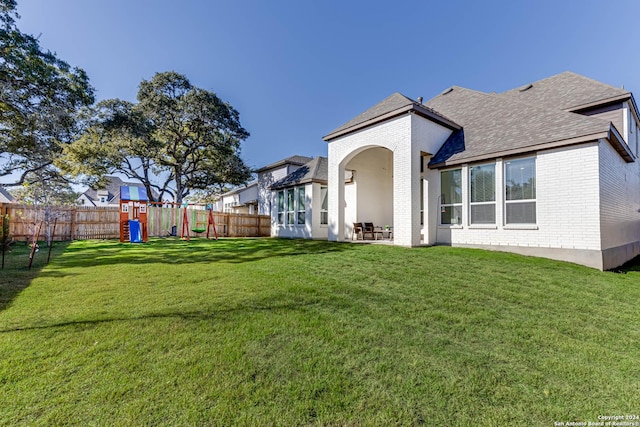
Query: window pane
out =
(520, 179)
(521, 213)
(324, 218)
(301, 200)
(483, 214)
(280, 217)
(301, 217)
(280, 201)
(290, 218)
(325, 199)
(290, 199)
(483, 183)
(451, 186)
(451, 215)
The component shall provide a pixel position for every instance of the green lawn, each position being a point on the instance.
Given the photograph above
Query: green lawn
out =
(292, 332)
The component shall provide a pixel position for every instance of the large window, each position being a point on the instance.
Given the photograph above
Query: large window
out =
(290, 206)
(451, 197)
(482, 186)
(281, 207)
(324, 207)
(301, 206)
(520, 191)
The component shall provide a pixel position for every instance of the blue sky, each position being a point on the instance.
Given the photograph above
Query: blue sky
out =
(296, 70)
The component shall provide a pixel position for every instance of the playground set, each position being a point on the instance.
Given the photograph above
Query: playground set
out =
(134, 202)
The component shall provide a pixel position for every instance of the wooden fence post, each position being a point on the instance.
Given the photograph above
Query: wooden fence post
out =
(74, 212)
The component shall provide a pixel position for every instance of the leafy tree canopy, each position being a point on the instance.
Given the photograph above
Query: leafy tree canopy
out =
(52, 190)
(178, 138)
(40, 95)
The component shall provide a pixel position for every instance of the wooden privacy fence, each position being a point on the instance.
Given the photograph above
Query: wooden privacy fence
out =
(83, 223)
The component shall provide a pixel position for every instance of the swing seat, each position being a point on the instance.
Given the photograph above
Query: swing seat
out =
(199, 228)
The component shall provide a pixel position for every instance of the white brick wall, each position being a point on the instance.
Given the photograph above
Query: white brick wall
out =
(619, 198)
(304, 231)
(567, 203)
(394, 135)
(405, 136)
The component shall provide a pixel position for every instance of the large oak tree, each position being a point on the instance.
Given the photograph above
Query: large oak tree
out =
(176, 139)
(40, 96)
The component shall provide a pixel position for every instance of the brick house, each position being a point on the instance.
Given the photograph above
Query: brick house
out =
(547, 169)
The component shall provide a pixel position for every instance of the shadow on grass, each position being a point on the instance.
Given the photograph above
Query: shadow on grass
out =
(16, 276)
(189, 315)
(175, 251)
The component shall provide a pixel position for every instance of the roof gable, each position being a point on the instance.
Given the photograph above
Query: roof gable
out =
(389, 107)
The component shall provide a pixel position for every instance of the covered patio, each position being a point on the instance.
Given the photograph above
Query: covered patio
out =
(387, 148)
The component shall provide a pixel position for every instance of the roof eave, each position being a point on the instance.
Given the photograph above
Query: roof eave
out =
(277, 186)
(532, 148)
(415, 108)
(279, 164)
(607, 101)
(619, 145)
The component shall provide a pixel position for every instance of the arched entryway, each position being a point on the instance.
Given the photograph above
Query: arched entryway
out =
(368, 188)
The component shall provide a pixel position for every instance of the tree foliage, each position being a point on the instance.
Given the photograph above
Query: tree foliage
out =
(178, 138)
(40, 95)
(51, 190)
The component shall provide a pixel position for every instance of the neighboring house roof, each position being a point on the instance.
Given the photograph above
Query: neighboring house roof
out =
(316, 170)
(113, 190)
(568, 91)
(496, 125)
(293, 160)
(5, 195)
(390, 107)
(239, 189)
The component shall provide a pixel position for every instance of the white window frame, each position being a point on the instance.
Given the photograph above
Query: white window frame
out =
(289, 203)
(301, 211)
(280, 207)
(443, 201)
(494, 202)
(520, 201)
(324, 211)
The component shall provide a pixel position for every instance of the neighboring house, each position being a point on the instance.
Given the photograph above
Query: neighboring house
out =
(241, 200)
(107, 196)
(272, 173)
(300, 204)
(548, 169)
(5, 196)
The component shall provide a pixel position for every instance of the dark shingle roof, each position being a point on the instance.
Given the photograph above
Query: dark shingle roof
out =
(293, 160)
(566, 91)
(389, 104)
(6, 194)
(389, 107)
(497, 124)
(316, 170)
(113, 190)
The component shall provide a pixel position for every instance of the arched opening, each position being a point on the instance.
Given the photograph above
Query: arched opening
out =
(368, 190)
